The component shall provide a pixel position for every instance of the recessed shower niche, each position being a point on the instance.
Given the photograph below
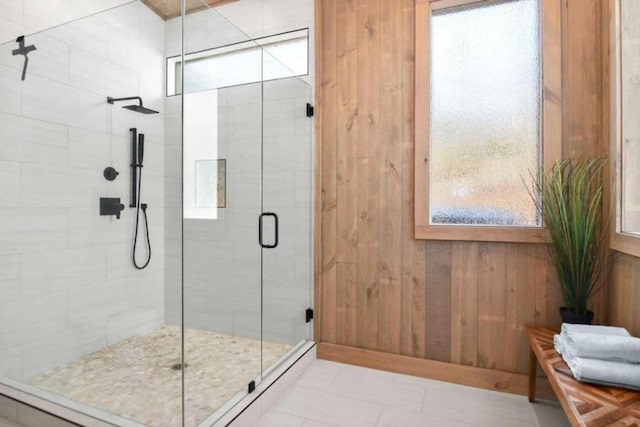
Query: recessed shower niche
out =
(226, 173)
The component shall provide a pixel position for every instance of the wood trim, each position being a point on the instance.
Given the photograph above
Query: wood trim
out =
(625, 244)
(446, 4)
(317, 176)
(489, 379)
(169, 9)
(620, 242)
(551, 29)
(482, 234)
(422, 114)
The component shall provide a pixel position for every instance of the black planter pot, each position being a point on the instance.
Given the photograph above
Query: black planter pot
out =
(581, 319)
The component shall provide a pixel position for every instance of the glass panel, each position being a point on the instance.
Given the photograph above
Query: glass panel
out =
(287, 192)
(485, 113)
(287, 58)
(77, 319)
(240, 63)
(222, 259)
(230, 69)
(630, 91)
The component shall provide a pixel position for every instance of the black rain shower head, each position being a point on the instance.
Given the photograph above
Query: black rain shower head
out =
(137, 108)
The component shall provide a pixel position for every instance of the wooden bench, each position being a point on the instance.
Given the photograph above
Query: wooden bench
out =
(585, 405)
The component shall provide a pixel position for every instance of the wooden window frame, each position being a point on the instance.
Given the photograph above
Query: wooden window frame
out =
(551, 123)
(621, 242)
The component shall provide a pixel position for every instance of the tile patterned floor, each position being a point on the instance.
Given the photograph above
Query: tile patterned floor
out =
(134, 378)
(334, 394)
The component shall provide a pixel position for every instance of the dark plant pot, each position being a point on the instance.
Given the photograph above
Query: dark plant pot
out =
(581, 319)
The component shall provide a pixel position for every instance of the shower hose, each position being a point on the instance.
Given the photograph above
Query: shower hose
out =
(142, 206)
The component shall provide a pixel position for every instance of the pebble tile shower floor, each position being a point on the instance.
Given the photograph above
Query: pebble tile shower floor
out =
(135, 379)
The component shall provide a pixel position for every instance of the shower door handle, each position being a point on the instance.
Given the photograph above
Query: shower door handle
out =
(275, 217)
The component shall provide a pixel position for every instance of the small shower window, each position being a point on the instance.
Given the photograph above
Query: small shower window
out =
(268, 58)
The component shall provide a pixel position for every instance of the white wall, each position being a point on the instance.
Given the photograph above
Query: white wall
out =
(67, 286)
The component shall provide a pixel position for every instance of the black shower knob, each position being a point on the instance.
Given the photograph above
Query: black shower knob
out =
(110, 173)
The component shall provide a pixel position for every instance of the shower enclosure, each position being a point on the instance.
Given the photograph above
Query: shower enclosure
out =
(227, 191)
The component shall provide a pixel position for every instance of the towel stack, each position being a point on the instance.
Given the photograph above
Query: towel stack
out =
(603, 355)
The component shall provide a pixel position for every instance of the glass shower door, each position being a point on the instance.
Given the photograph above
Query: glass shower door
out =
(247, 210)
(222, 272)
(287, 195)
(222, 178)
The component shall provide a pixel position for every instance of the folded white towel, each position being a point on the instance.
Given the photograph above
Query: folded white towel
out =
(606, 372)
(598, 346)
(558, 343)
(568, 328)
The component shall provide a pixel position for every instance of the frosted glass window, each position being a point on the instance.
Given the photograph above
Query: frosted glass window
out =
(268, 58)
(485, 113)
(630, 99)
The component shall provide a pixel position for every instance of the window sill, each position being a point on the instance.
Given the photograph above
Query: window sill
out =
(483, 233)
(625, 243)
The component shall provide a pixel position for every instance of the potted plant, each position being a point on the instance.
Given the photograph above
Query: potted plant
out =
(570, 202)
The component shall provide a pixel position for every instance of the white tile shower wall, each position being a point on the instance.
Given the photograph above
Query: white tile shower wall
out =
(67, 286)
(222, 258)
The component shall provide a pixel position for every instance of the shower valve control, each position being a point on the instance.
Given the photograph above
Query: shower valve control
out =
(110, 173)
(111, 206)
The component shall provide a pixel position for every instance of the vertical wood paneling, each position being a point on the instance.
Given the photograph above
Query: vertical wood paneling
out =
(525, 290)
(390, 264)
(552, 89)
(347, 179)
(369, 149)
(513, 281)
(329, 167)
(464, 303)
(412, 331)
(438, 298)
(582, 87)
(624, 277)
(381, 289)
(492, 270)
(581, 84)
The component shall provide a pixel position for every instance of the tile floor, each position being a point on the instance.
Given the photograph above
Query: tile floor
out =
(334, 394)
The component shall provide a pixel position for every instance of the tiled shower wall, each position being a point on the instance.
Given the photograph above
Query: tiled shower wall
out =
(67, 286)
(221, 257)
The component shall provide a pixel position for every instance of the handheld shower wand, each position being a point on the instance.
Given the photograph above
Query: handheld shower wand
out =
(140, 148)
(137, 155)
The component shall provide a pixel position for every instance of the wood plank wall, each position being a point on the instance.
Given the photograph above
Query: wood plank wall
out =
(624, 295)
(377, 287)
